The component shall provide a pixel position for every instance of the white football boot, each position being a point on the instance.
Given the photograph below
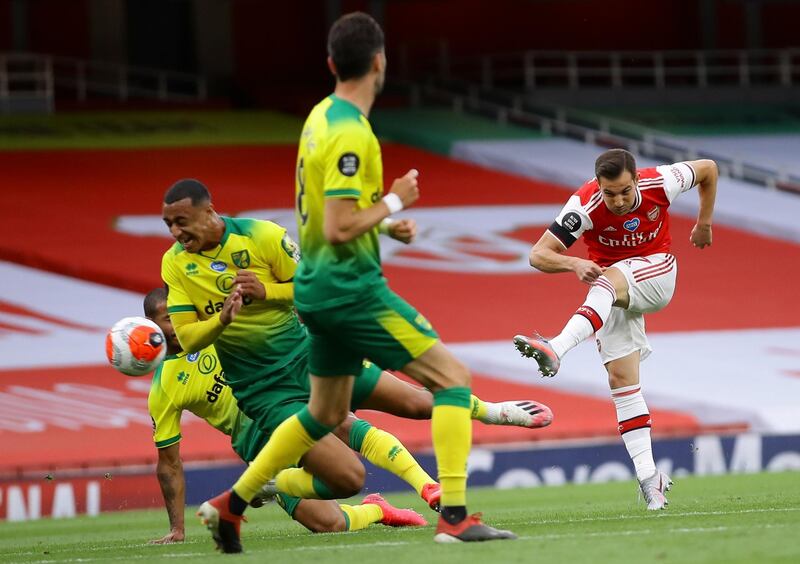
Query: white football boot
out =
(653, 490)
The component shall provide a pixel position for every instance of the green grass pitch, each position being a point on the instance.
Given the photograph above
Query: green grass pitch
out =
(742, 518)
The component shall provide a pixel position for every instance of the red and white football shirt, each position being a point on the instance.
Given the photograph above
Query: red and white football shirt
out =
(641, 232)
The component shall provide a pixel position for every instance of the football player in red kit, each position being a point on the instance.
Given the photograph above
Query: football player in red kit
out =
(622, 216)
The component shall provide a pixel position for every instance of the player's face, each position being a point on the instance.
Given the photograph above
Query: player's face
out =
(619, 194)
(191, 226)
(161, 318)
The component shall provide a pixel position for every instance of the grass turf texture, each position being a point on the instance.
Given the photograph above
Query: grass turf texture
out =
(742, 518)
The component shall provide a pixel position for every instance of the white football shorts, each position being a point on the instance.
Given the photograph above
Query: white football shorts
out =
(651, 283)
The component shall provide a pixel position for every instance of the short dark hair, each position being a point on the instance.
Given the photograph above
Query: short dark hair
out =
(353, 41)
(614, 162)
(153, 298)
(187, 188)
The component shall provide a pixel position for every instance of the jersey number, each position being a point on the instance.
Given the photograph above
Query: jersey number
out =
(301, 194)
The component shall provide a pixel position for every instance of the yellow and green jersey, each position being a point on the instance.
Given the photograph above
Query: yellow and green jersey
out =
(266, 334)
(191, 382)
(196, 382)
(339, 157)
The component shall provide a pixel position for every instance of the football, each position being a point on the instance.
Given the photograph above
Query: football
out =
(135, 346)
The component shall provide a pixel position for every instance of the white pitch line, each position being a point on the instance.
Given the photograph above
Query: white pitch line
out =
(661, 515)
(379, 544)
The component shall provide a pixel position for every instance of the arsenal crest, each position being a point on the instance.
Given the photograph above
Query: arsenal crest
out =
(241, 258)
(653, 214)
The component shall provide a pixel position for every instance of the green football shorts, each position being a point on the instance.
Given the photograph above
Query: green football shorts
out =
(384, 328)
(249, 439)
(271, 405)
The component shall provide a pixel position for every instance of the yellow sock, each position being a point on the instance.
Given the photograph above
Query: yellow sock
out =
(479, 408)
(451, 429)
(297, 482)
(386, 451)
(290, 441)
(361, 516)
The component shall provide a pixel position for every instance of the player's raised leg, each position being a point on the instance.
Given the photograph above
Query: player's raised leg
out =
(397, 397)
(607, 290)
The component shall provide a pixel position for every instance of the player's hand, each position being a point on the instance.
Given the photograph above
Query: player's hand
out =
(587, 271)
(175, 535)
(231, 307)
(249, 285)
(701, 236)
(404, 230)
(407, 188)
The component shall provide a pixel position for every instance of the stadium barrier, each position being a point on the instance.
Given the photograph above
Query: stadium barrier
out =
(504, 467)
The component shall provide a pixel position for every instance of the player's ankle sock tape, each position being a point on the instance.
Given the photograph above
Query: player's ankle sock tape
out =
(358, 431)
(457, 397)
(479, 408)
(454, 514)
(314, 428)
(236, 505)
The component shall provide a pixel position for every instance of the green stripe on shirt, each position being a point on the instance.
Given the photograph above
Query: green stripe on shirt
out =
(335, 192)
(179, 308)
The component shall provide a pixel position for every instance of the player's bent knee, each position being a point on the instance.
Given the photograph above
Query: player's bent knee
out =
(347, 479)
(351, 482)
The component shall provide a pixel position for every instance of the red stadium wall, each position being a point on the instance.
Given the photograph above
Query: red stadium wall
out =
(731, 34)
(278, 50)
(58, 27)
(270, 56)
(6, 26)
(776, 31)
(512, 25)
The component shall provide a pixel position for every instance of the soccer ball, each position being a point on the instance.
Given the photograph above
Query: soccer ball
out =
(135, 346)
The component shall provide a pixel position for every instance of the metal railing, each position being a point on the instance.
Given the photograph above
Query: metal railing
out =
(24, 75)
(26, 82)
(660, 70)
(507, 107)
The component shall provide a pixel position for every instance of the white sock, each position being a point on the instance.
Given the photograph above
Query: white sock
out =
(634, 426)
(492, 413)
(588, 319)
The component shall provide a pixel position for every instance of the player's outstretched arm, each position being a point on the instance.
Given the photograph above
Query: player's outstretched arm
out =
(344, 221)
(547, 256)
(169, 471)
(195, 335)
(707, 175)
